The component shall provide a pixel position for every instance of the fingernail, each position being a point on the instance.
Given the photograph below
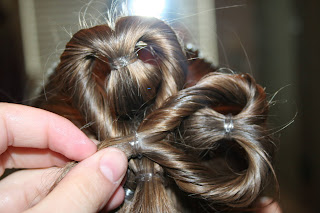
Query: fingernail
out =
(113, 165)
(96, 142)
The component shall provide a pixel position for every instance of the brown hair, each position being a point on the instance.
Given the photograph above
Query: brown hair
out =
(103, 95)
(208, 141)
(187, 133)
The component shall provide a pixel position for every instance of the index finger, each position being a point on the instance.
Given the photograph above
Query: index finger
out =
(23, 126)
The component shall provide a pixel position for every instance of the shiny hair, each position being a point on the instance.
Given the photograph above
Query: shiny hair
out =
(113, 100)
(207, 143)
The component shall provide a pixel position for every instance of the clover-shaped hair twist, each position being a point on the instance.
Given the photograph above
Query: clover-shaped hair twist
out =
(117, 74)
(184, 136)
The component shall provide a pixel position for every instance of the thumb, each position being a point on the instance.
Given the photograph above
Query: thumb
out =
(89, 186)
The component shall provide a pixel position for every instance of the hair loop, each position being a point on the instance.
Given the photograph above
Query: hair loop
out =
(228, 124)
(122, 61)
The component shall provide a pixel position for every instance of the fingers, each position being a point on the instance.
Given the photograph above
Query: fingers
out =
(116, 199)
(23, 126)
(17, 157)
(89, 186)
(25, 188)
(268, 206)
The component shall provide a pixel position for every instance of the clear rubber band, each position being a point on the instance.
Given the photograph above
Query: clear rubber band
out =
(136, 146)
(228, 124)
(123, 61)
(145, 177)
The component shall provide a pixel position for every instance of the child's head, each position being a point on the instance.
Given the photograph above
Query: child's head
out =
(206, 144)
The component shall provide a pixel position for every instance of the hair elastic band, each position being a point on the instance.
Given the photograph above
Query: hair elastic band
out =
(128, 194)
(136, 146)
(123, 61)
(141, 177)
(145, 177)
(228, 124)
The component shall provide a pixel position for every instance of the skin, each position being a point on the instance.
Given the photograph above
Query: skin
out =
(41, 142)
(268, 206)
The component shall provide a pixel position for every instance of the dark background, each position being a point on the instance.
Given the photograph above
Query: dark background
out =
(277, 41)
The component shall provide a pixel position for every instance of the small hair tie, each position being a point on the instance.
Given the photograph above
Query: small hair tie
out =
(122, 61)
(146, 177)
(136, 146)
(128, 194)
(228, 124)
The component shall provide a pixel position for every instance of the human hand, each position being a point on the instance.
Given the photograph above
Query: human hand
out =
(268, 206)
(34, 138)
